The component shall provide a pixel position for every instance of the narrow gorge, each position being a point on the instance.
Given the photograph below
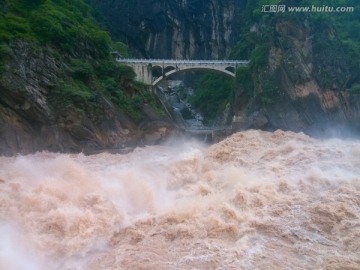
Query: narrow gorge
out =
(95, 173)
(62, 91)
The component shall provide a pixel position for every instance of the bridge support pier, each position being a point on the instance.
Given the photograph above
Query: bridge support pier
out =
(143, 73)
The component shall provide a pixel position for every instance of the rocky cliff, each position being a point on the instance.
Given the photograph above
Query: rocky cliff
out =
(190, 29)
(36, 112)
(61, 91)
(60, 87)
(301, 78)
(31, 117)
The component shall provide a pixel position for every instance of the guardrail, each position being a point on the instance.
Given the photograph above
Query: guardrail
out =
(179, 61)
(204, 128)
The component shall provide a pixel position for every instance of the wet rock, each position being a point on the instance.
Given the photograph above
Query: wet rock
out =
(174, 29)
(175, 85)
(173, 99)
(301, 88)
(155, 136)
(258, 120)
(186, 113)
(31, 119)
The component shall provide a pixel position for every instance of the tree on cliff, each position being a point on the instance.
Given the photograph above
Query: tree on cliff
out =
(60, 86)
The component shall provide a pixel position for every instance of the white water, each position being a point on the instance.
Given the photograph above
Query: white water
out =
(257, 200)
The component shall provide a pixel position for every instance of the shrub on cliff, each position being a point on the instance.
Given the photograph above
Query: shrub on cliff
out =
(67, 25)
(65, 33)
(332, 38)
(212, 93)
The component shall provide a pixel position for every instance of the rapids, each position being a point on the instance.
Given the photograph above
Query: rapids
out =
(256, 200)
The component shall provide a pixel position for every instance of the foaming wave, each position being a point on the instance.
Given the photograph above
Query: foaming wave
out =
(13, 253)
(255, 200)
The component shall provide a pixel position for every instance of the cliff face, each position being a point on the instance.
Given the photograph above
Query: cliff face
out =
(304, 83)
(70, 97)
(189, 29)
(298, 63)
(61, 89)
(33, 118)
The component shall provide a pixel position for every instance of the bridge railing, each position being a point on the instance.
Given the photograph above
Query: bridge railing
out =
(207, 128)
(181, 61)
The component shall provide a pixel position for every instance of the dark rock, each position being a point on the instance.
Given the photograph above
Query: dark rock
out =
(186, 113)
(171, 28)
(291, 92)
(31, 118)
(258, 120)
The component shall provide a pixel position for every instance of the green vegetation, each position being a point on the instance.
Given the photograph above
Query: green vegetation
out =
(81, 69)
(5, 52)
(66, 31)
(73, 94)
(85, 82)
(118, 82)
(243, 77)
(121, 48)
(335, 41)
(269, 92)
(67, 25)
(354, 89)
(336, 36)
(212, 92)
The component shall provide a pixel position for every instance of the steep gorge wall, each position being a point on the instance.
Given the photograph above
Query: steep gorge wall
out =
(304, 84)
(61, 89)
(188, 29)
(34, 116)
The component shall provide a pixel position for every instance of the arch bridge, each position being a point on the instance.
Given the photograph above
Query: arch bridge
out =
(152, 71)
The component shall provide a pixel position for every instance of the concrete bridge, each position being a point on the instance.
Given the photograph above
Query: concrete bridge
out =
(152, 71)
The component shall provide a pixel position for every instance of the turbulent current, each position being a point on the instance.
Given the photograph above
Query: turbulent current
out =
(256, 200)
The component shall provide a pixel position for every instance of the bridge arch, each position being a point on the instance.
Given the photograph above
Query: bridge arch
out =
(231, 69)
(152, 71)
(194, 68)
(168, 69)
(156, 71)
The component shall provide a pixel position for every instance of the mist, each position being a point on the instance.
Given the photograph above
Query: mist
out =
(255, 200)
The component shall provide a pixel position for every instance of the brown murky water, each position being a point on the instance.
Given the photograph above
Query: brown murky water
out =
(257, 200)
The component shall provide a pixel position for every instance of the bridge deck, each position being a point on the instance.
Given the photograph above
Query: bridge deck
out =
(208, 130)
(179, 61)
(144, 67)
